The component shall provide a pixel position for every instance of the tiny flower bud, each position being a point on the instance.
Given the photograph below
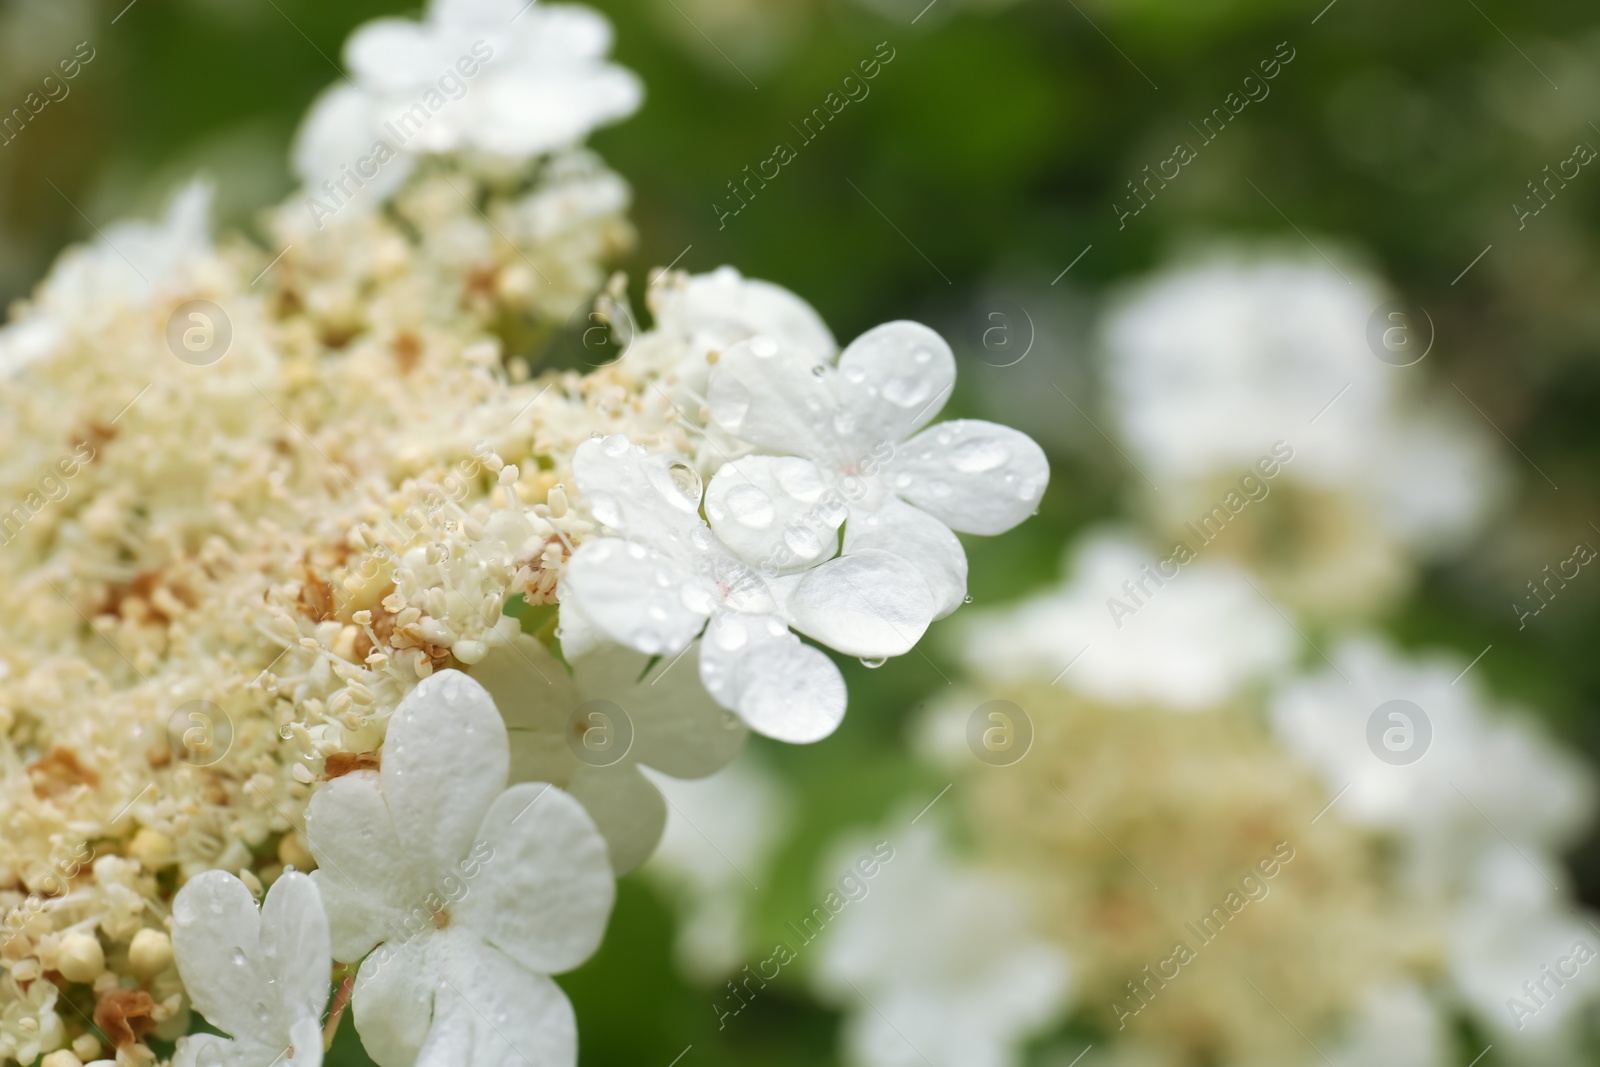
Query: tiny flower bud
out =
(149, 953)
(80, 958)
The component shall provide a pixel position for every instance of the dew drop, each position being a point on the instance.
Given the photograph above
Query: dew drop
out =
(751, 507)
(978, 455)
(906, 392)
(615, 445)
(764, 347)
(855, 375)
(844, 423)
(701, 538)
(818, 371)
(606, 509)
(873, 662)
(636, 551)
(730, 403)
(921, 355)
(238, 957)
(967, 599)
(803, 541)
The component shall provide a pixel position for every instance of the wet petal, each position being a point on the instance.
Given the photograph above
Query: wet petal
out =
(444, 760)
(637, 596)
(919, 539)
(780, 687)
(870, 603)
(778, 513)
(768, 395)
(973, 476)
(892, 380)
(544, 887)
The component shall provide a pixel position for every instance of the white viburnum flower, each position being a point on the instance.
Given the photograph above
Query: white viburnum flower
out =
(664, 576)
(133, 264)
(712, 312)
(509, 79)
(262, 976)
(842, 444)
(590, 731)
(471, 892)
(1128, 628)
(1479, 773)
(937, 962)
(1523, 957)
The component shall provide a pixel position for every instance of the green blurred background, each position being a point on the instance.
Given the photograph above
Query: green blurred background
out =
(987, 157)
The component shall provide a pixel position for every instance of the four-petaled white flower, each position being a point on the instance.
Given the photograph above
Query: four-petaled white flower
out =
(590, 731)
(842, 444)
(665, 576)
(504, 77)
(262, 976)
(475, 892)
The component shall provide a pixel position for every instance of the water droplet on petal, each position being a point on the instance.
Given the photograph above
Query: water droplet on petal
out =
(967, 599)
(764, 347)
(750, 506)
(607, 511)
(873, 662)
(730, 402)
(854, 375)
(978, 455)
(921, 355)
(803, 541)
(615, 445)
(907, 392)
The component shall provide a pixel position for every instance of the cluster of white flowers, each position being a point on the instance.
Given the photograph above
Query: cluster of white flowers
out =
(307, 564)
(1212, 363)
(1174, 726)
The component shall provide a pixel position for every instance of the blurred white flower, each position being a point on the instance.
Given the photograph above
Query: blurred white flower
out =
(842, 448)
(657, 585)
(1121, 630)
(506, 78)
(938, 964)
(1210, 364)
(474, 891)
(131, 265)
(262, 976)
(720, 836)
(591, 731)
(1395, 1025)
(1522, 958)
(1480, 777)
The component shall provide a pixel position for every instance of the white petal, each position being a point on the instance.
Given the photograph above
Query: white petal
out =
(216, 933)
(637, 596)
(530, 114)
(973, 476)
(892, 380)
(449, 999)
(717, 310)
(338, 131)
(516, 1018)
(766, 394)
(536, 697)
(392, 1001)
(393, 55)
(544, 895)
(654, 500)
(305, 1043)
(780, 687)
(779, 513)
(207, 1050)
(444, 760)
(366, 874)
(677, 727)
(627, 809)
(295, 951)
(919, 539)
(868, 603)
